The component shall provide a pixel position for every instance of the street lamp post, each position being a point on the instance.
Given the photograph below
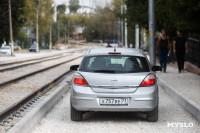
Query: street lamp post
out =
(118, 31)
(152, 32)
(126, 34)
(10, 25)
(137, 36)
(65, 33)
(58, 33)
(37, 24)
(50, 37)
(37, 33)
(68, 33)
(122, 27)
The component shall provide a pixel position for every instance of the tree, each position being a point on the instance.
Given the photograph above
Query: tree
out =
(61, 8)
(18, 19)
(183, 14)
(169, 14)
(116, 7)
(137, 13)
(74, 6)
(45, 14)
(101, 25)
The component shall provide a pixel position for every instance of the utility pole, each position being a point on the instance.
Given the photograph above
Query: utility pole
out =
(77, 37)
(50, 37)
(65, 33)
(113, 37)
(126, 34)
(58, 33)
(152, 32)
(122, 26)
(10, 25)
(68, 33)
(118, 32)
(37, 32)
(137, 36)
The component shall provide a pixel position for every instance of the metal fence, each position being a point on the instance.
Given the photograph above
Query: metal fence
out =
(193, 55)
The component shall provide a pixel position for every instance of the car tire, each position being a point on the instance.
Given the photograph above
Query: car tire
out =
(75, 114)
(152, 116)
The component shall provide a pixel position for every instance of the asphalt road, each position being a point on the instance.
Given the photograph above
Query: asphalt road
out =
(172, 119)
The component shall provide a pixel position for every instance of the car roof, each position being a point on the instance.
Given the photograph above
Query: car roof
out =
(123, 51)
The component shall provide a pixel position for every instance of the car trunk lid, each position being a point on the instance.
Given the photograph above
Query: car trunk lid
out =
(114, 83)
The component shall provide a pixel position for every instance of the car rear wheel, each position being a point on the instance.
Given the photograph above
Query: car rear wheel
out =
(152, 116)
(75, 114)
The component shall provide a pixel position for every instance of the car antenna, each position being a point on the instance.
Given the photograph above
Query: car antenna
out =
(115, 48)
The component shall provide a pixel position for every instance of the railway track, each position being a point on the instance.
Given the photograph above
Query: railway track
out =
(26, 60)
(15, 110)
(19, 64)
(30, 63)
(3, 84)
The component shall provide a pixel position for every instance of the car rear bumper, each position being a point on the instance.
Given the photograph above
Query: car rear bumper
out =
(142, 100)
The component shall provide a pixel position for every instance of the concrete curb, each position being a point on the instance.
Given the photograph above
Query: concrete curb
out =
(190, 106)
(31, 119)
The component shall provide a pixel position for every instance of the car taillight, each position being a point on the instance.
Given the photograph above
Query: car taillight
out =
(79, 80)
(114, 53)
(148, 81)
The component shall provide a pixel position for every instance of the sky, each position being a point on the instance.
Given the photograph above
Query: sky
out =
(90, 3)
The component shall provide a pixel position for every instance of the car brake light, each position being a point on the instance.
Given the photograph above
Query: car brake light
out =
(148, 81)
(79, 80)
(114, 53)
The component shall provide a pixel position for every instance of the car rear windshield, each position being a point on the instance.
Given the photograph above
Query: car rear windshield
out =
(5, 48)
(114, 64)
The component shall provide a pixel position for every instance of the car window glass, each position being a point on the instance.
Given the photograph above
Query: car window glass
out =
(114, 64)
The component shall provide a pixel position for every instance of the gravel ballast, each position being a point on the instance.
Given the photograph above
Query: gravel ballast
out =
(8, 75)
(13, 93)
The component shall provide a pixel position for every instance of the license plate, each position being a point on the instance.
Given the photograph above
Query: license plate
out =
(114, 101)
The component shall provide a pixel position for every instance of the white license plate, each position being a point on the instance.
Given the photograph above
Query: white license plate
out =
(114, 101)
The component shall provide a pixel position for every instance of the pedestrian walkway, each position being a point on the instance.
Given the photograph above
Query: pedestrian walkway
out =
(183, 87)
(186, 83)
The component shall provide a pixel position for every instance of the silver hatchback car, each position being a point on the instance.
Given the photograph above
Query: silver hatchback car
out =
(110, 79)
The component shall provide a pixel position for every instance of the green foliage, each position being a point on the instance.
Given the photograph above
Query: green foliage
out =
(184, 14)
(45, 14)
(170, 14)
(137, 13)
(116, 7)
(61, 8)
(74, 6)
(22, 39)
(102, 25)
(17, 18)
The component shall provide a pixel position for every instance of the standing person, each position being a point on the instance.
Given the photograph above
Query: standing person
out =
(131, 45)
(108, 44)
(163, 46)
(180, 47)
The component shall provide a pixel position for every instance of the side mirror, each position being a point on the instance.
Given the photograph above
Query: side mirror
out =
(74, 68)
(156, 68)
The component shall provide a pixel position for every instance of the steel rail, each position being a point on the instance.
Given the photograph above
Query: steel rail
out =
(32, 59)
(15, 107)
(32, 63)
(26, 60)
(3, 84)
